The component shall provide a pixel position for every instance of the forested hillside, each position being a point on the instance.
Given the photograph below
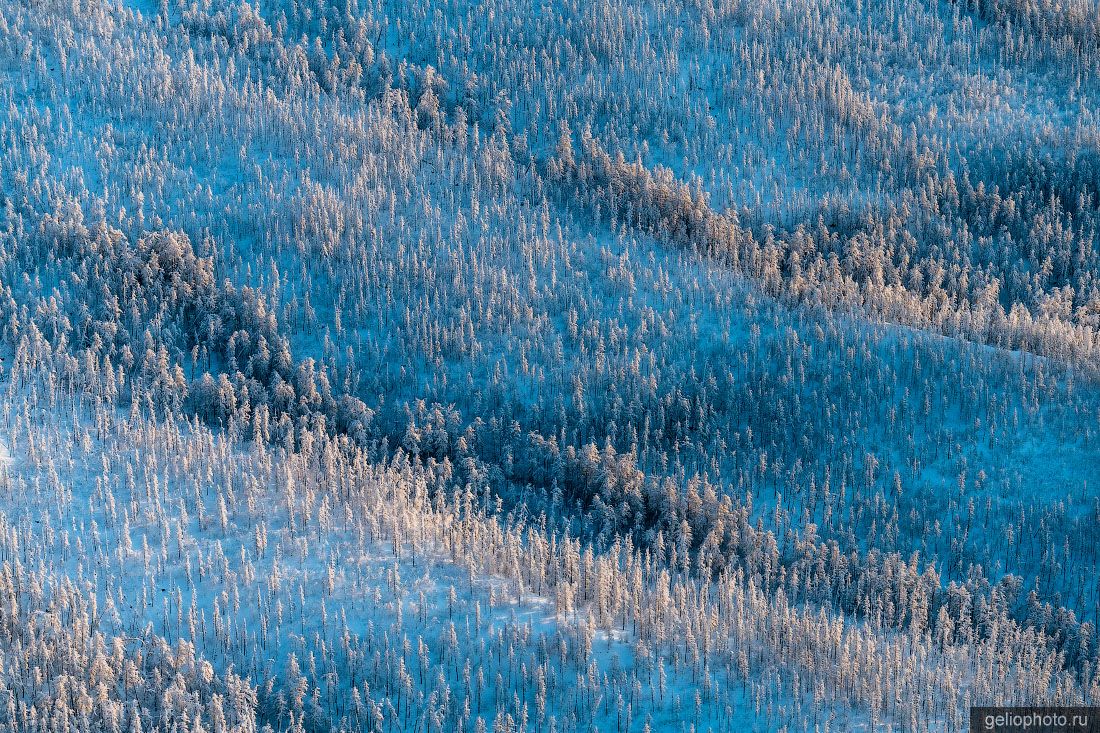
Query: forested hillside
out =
(547, 367)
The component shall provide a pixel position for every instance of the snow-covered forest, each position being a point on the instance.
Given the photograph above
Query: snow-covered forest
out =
(547, 367)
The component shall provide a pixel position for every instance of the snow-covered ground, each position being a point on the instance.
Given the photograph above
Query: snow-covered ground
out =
(725, 366)
(363, 607)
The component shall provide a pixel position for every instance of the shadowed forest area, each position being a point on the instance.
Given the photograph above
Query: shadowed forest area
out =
(533, 367)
